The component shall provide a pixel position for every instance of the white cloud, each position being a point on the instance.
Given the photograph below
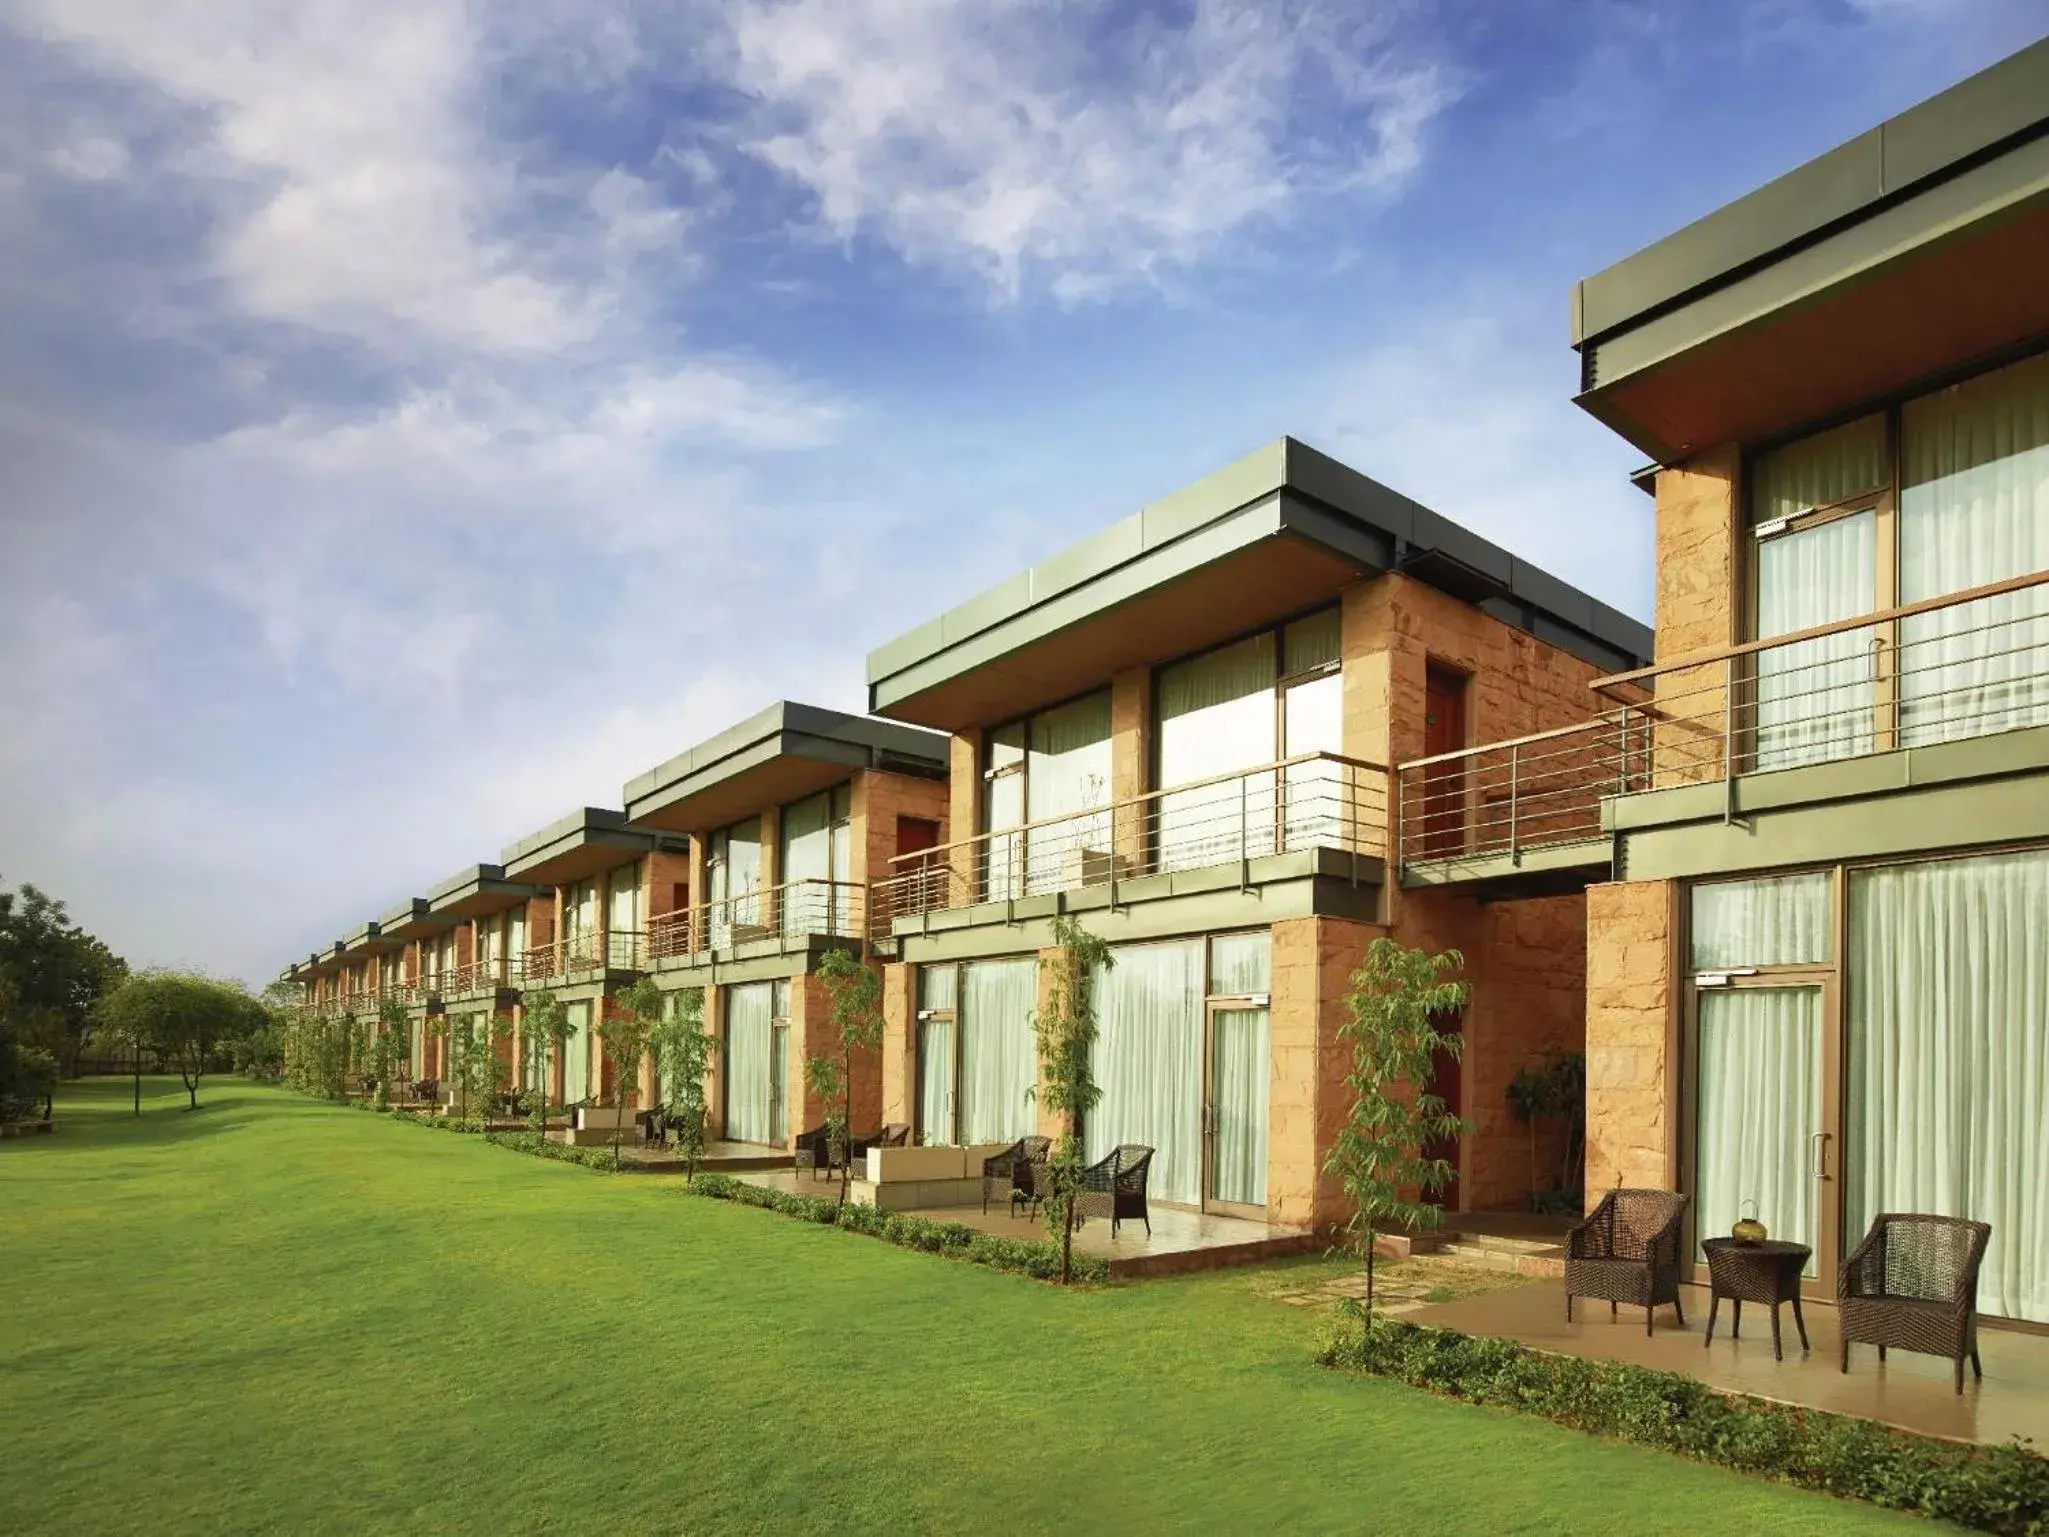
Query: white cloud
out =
(1015, 138)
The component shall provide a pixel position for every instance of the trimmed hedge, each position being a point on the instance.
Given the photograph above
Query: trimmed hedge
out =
(2001, 1489)
(955, 1240)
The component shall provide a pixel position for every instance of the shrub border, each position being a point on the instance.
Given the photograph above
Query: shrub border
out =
(953, 1240)
(2003, 1489)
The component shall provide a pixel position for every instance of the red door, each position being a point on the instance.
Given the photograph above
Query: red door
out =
(1448, 1084)
(1444, 784)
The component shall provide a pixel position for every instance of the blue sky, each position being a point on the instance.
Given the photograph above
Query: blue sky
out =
(417, 417)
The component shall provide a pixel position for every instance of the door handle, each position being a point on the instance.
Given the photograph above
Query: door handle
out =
(1820, 1141)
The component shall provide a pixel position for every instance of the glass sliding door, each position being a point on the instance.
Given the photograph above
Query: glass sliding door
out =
(1762, 1123)
(1149, 1064)
(1067, 772)
(1816, 698)
(1239, 1092)
(1318, 813)
(779, 1064)
(998, 1057)
(1948, 1058)
(1003, 811)
(576, 1055)
(1216, 718)
(1974, 509)
(1759, 1112)
(938, 1067)
(750, 1028)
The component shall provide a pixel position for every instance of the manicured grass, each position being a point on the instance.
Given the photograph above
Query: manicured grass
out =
(274, 1315)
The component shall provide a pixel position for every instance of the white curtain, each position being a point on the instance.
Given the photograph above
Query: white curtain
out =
(1775, 920)
(576, 1062)
(1240, 1084)
(750, 1022)
(1974, 508)
(1948, 1025)
(1067, 771)
(1148, 1063)
(1003, 807)
(417, 1051)
(1814, 697)
(935, 1082)
(1216, 716)
(1320, 813)
(1819, 471)
(1759, 1108)
(998, 1056)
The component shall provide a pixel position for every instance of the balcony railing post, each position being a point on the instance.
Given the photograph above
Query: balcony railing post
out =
(1515, 850)
(1244, 839)
(1728, 741)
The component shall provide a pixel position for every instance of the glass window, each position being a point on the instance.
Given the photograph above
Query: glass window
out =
(1148, 1061)
(1776, 920)
(817, 860)
(1814, 697)
(1312, 644)
(1974, 508)
(998, 1053)
(936, 988)
(623, 906)
(1819, 471)
(1055, 767)
(1239, 964)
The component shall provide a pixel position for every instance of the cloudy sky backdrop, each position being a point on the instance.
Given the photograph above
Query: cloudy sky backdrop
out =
(419, 416)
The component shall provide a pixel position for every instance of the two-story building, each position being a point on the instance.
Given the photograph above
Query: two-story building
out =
(592, 880)
(789, 814)
(1178, 732)
(1818, 948)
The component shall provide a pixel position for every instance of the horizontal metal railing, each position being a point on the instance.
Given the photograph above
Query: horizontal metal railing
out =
(579, 954)
(1315, 800)
(1970, 664)
(794, 910)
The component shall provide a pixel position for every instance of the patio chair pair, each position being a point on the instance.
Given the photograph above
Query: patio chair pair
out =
(1019, 1172)
(813, 1149)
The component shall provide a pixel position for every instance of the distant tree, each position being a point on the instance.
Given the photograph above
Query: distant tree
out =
(1066, 1031)
(855, 991)
(55, 972)
(1396, 998)
(28, 1074)
(624, 1034)
(182, 1017)
(683, 1053)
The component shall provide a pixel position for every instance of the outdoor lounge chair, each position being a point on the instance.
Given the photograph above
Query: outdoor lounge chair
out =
(653, 1122)
(813, 1150)
(1019, 1172)
(1114, 1186)
(428, 1090)
(1913, 1283)
(1627, 1250)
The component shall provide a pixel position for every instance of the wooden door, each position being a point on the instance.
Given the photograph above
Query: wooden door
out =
(1444, 784)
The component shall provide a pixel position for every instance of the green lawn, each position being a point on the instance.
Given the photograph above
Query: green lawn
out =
(273, 1315)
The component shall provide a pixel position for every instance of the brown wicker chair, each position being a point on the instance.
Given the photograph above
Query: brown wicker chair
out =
(1913, 1283)
(1115, 1186)
(1019, 1170)
(1627, 1250)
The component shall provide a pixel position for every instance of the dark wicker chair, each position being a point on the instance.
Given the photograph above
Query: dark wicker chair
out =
(1115, 1186)
(1019, 1170)
(894, 1134)
(1627, 1250)
(653, 1123)
(813, 1149)
(428, 1090)
(1913, 1283)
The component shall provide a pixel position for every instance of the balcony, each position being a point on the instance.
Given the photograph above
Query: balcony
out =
(769, 920)
(1316, 814)
(579, 958)
(1933, 695)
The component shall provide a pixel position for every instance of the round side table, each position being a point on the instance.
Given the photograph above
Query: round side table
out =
(1767, 1272)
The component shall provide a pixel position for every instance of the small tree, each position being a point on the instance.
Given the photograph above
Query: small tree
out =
(683, 1055)
(1066, 1033)
(546, 1027)
(855, 993)
(624, 1035)
(180, 1016)
(390, 1048)
(1395, 1000)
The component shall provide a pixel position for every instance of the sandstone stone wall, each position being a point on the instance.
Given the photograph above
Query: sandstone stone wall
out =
(1631, 1035)
(1699, 607)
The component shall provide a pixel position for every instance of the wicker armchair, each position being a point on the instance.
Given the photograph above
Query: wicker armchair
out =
(813, 1149)
(1018, 1172)
(1114, 1186)
(653, 1123)
(894, 1134)
(1913, 1283)
(428, 1090)
(1627, 1250)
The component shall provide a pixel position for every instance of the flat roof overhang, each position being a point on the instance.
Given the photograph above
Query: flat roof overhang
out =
(786, 752)
(1910, 252)
(478, 892)
(582, 844)
(414, 919)
(370, 939)
(1275, 533)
